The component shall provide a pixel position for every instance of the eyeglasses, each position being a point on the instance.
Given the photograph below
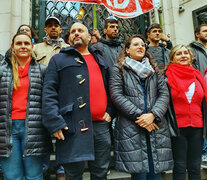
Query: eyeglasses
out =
(24, 29)
(140, 45)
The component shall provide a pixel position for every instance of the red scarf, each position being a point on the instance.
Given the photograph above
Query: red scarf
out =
(180, 77)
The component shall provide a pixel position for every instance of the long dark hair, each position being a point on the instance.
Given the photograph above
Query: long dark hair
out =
(33, 32)
(124, 54)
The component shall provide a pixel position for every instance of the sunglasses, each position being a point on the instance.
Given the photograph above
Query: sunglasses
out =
(24, 29)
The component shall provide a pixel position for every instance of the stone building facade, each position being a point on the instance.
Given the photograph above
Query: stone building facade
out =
(13, 13)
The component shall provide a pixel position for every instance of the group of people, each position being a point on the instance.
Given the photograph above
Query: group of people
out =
(154, 93)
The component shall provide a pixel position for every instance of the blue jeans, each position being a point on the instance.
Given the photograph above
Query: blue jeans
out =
(16, 166)
(146, 176)
(151, 175)
(59, 169)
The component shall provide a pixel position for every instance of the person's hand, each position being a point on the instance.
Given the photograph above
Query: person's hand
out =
(152, 127)
(145, 120)
(96, 33)
(164, 37)
(59, 134)
(107, 117)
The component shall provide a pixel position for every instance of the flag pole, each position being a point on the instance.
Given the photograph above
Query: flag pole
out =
(94, 16)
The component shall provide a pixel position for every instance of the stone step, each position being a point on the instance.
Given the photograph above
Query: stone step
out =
(115, 175)
(168, 175)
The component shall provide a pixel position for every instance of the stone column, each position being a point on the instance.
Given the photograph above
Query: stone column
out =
(13, 13)
(5, 16)
(170, 16)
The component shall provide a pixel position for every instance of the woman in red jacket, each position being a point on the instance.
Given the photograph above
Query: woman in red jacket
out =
(188, 91)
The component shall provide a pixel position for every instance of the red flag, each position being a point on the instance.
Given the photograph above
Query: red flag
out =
(122, 8)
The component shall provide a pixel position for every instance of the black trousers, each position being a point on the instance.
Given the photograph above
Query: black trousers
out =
(99, 167)
(187, 150)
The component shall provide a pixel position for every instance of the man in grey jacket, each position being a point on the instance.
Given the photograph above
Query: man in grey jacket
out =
(199, 48)
(160, 53)
(110, 44)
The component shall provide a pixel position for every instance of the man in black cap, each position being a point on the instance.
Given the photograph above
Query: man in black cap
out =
(110, 44)
(52, 43)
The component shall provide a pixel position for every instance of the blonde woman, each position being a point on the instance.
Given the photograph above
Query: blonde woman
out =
(188, 92)
(23, 138)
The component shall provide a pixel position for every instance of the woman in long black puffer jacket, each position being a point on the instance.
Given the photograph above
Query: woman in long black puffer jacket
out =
(142, 139)
(23, 139)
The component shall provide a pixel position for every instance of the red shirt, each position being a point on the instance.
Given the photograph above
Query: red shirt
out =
(189, 114)
(98, 97)
(19, 96)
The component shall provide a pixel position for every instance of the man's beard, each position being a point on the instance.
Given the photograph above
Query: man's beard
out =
(77, 44)
(155, 40)
(112, 37)
(204, 40)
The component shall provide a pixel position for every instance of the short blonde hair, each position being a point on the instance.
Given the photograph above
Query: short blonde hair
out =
(176, 48)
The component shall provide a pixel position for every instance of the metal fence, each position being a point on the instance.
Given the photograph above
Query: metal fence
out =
(90, 15)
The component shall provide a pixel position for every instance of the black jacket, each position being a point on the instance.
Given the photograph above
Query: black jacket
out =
(130, 139)
(37, 141)
(110, 49)
(66, 102)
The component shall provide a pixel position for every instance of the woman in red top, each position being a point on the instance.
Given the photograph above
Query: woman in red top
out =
(188, 91)
(23, 138)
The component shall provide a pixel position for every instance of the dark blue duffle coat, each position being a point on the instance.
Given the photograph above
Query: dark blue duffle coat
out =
(66, 102)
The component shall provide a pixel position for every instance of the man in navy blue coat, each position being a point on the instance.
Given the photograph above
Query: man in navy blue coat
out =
(77, 108)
